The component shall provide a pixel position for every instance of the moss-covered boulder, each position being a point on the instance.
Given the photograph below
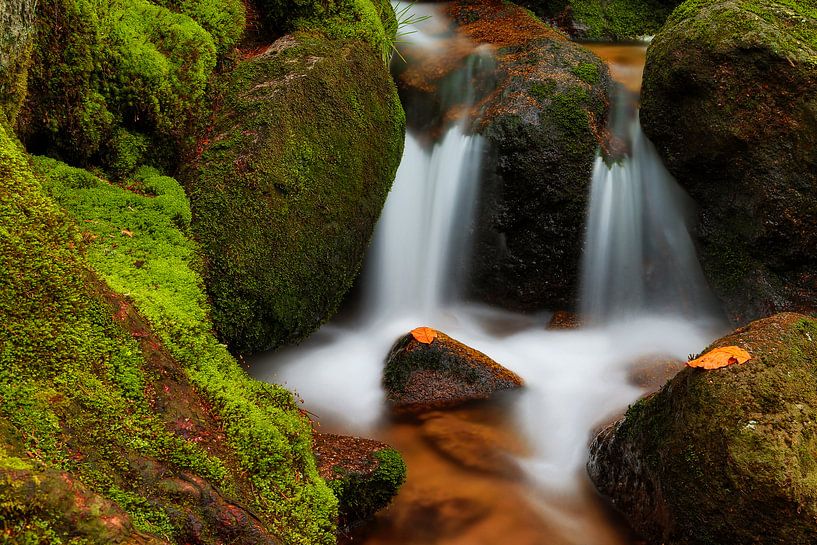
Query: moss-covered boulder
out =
(106, 72)
(123, 418)
(17, 21)
(439, 371)
(605, 20)
(543, 125)
(723, 457)
(290, 183)
(365, 475)
(730, 100)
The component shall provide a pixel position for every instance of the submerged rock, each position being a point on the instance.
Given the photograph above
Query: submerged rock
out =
(543, 124)
(726, 456)
(562, 319)
(444, 372)
(730, 101)
(364, 474)
(290, 183)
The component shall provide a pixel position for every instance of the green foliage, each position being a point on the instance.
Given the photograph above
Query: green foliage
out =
(286, 198)
(140, 248)
(102, 64)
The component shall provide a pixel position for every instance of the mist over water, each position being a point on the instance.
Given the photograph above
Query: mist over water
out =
(576, 380)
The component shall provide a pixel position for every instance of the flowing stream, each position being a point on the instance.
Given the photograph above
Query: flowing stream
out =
(535, 491)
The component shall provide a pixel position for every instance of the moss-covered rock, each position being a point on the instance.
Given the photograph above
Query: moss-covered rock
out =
(724, 457)
(543, 124)
(99, 65)
(290, 183)
(17, 21)
(365, 475)
(224, 20)
(605, 20)
(132, 398)
(370, 21)
(420, 376)
(730, 100)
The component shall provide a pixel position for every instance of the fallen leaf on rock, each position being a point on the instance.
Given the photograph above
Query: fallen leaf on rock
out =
(721, 357)
(425, 335)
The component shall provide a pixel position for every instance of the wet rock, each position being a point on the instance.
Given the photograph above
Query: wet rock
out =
(543, 124)
(421, 376)
(730, 102)
(652, 372)
(290, 184)
(472, 445)
(364, 474)
(564, 320)
(725, 456)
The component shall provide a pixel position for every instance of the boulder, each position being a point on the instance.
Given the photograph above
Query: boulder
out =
(364, 474)
(542, 123)
(727, 456)
(290, 183)
(730, 101)
(421, 376)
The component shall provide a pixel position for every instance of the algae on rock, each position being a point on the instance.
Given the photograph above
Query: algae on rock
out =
(290, 184)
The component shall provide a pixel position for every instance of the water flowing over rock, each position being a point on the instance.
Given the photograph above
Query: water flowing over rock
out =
(730, 101)
(542, 125)
(725, 456)
(444, 372)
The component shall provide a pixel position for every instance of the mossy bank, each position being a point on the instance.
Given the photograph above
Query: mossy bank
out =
(290, 183)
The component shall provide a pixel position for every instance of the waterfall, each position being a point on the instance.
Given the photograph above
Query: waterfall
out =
(639, 255)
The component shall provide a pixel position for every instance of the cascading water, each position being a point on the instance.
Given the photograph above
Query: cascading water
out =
(575, 380)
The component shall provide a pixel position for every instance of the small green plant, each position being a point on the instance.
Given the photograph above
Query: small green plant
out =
(405, 19)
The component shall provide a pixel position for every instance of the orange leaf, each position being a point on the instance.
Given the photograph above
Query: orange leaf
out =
(127, 233)
(425, 335)
(721, 357)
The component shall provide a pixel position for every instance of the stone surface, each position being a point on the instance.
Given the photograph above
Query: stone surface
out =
(730, 101)
(727, 456)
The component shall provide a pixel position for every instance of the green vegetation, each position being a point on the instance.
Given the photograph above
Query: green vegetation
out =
(370, 21)
(100, 65)
(15, 54)
(286, 194)
(140, 249)
(224, 20)
(361, 495)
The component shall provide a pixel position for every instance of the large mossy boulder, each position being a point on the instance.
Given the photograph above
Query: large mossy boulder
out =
(605, 20)
(727, 456)
(730, 100)
(543, 125)
(290, 183)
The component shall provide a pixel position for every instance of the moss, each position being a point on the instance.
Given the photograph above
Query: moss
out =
(103, 64)
(224, 20)
(741, 436)
(588, 72)
(371, 21)
(361, 495)
(140, 248)
(15, 54)
(286, 193)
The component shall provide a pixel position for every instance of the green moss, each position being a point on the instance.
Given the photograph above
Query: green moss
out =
(286, 195)
(15, 54)
(224, 20)
(140, 248)
(102, 64)
(362, 495)
(588, 72)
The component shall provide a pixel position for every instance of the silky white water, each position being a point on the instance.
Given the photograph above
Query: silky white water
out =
(575, 380)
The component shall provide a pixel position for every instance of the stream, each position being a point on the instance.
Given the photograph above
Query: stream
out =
(511, 471)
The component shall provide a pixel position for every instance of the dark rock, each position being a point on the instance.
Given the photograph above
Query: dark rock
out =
(289, 185)
(726, 456)
(543, 124)
(730, 101)
(364, 474)
(443, 373)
